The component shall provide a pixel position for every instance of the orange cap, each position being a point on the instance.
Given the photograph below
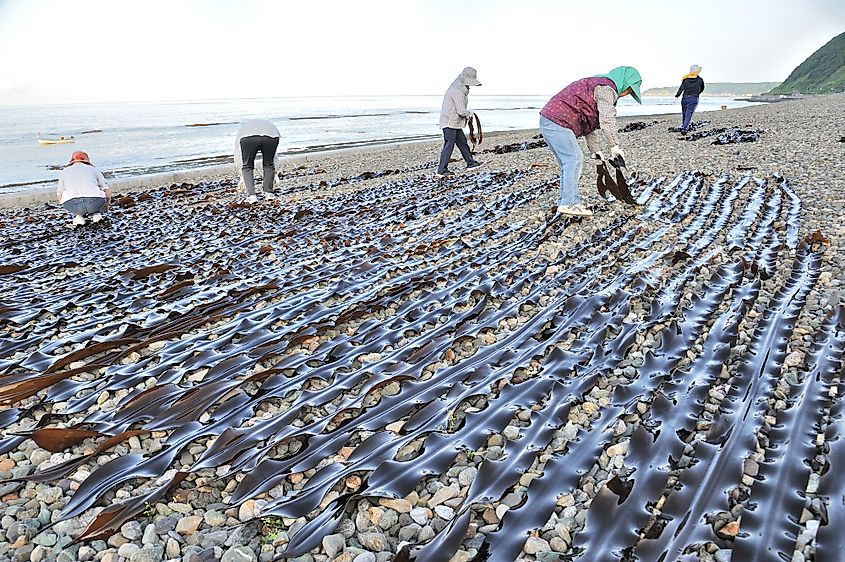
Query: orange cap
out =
(79, 156)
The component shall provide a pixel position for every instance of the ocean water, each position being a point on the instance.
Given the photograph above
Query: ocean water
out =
(126, 139)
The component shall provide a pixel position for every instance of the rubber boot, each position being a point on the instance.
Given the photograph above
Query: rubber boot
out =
(269, 177)
(249, 181)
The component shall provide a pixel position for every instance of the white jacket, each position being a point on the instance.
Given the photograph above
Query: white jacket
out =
(454, 112)
(81, 180)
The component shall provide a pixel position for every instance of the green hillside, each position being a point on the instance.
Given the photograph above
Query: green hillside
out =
(727, 89)
(822, 73)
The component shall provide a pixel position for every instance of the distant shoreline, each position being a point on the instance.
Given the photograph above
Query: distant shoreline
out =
(726, 96)
(735, 90)
(221, 165)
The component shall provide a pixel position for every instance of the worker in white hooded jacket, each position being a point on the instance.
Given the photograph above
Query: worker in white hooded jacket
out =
(453, 116)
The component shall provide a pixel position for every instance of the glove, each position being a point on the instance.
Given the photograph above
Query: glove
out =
(616, 151)
(598, 156)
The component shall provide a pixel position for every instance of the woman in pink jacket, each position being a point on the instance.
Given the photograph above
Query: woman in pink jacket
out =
(579, 110)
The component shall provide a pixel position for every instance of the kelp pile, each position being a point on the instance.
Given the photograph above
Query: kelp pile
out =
(693, 126)
(354, 345)
(726, 135)
(539, 142)
(733, 136)
(636, 126)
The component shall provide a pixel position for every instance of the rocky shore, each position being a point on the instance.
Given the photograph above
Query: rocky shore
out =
(382, 365)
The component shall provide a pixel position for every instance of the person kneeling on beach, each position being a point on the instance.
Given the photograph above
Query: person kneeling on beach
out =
(253, 136)
(453, 115)
(82, 189)
(579, 110)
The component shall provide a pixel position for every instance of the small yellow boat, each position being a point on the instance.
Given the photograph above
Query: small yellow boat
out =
(54, 139)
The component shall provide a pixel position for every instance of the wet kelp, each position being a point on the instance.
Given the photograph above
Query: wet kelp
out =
(476, 135)
(636, 126)
(726, 135)
(517, 146)
(692, 127)
(619, 187)
(395, 325)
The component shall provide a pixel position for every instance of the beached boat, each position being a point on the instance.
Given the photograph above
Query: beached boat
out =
(54, 139)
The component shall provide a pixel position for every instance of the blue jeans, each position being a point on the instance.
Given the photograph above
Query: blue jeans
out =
(688, 106)
(451, 137)
(84, 205)
(565, 147)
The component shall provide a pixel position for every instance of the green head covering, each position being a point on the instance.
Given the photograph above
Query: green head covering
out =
(625, 77)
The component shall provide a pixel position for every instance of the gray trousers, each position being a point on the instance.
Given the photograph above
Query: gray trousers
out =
(250, 147)
(452, 137)
(85, 205)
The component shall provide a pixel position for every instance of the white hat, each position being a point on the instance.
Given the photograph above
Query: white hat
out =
(694, 69)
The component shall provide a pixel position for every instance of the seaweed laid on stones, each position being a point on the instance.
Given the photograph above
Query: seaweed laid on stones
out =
(725, 135)
(406, 343)
(693, 126)
(691, 137)
(124, 201)
(636, 126)
(517, 147)
(737, 135)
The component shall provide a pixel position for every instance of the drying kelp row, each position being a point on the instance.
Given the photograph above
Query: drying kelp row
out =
(433, 350)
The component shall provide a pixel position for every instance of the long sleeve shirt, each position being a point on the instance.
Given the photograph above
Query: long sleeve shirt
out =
(606, 98)
(454, 112)
(691, 87)
(81, 180)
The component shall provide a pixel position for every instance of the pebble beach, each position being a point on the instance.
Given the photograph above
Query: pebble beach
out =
(380, 365)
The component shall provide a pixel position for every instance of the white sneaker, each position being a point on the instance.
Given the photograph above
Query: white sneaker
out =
(96, 217)
(268, 196)
(574, 210)
(79, 220)
(252, 199)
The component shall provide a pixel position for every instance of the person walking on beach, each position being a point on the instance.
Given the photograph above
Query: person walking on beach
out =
(254, 136)
(691, 87)
(453, 115)
(83, 190)
(579, 110)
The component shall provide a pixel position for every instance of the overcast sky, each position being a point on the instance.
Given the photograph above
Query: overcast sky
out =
(107, 50)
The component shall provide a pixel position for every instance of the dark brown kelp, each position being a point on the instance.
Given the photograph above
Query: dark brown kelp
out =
(400, 322)
(476, 136)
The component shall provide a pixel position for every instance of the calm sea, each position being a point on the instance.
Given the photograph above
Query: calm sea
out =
(126, 139)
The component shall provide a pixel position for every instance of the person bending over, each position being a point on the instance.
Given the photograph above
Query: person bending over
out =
(254, 136)
(581, 109)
